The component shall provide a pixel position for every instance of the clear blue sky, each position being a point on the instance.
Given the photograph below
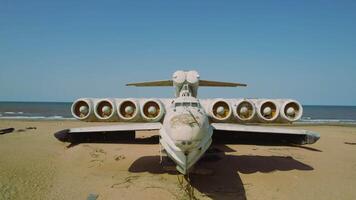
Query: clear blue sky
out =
(62, 50)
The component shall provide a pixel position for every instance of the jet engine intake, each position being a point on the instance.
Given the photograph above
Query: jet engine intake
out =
(291, 111)
(152, 110)
(105, 110)
(245, 110)
(128, 110)
(221, 110)
(82, 109)
(268, 111)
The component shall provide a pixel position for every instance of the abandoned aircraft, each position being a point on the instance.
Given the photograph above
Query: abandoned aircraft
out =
(186, 123)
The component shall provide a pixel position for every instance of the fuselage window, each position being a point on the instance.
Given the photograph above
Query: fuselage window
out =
(187, 104)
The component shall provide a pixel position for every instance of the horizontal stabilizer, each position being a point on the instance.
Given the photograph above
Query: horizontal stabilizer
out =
(201, 83)
(220, 84)
(152, 83)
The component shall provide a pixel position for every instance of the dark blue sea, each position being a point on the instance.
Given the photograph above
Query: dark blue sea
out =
(57, 110)
(35, 110)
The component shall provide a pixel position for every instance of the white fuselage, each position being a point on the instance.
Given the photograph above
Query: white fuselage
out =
(186, 132)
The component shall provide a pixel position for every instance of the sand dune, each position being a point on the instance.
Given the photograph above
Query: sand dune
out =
(34, 165)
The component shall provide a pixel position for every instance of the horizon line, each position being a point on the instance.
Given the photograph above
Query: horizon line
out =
(212, 98)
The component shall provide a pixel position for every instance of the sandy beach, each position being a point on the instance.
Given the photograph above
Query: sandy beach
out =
(34, 165)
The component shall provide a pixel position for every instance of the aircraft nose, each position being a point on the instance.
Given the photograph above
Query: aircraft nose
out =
(186, 129)
(185, 137)
(184, 132)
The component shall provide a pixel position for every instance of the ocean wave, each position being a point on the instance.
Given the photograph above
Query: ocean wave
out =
(57, 117)
(327, 121)
(13, 113)
(38, 117)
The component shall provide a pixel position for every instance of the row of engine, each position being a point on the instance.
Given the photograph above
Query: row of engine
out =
(90, 109)
(219, 110)
(254, 110)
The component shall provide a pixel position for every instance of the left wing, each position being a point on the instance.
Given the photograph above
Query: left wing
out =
(68, 134)
(262, 132)
(119, 127)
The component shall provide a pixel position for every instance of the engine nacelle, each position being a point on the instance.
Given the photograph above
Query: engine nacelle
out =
(245, 110)
(152, 110)
(128, 110)
(83, 109)
(220, 110)
(291, 111)
(267, 110)
(105, 110)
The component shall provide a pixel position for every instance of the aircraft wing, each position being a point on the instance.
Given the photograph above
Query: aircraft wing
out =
(118, 128)
(268, 134)
(69, 134)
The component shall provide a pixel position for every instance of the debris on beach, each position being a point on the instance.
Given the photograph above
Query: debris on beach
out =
(6, 130)
(25, 129)
(119, 157)
(92, 196)
(31, 128)
(350, 143)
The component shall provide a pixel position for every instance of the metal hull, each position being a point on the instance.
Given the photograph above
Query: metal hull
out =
(185, 160)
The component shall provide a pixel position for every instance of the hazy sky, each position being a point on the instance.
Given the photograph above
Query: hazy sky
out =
(62, 50)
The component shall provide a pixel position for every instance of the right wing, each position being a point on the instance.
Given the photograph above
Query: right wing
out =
(271, 134)
(68, 135)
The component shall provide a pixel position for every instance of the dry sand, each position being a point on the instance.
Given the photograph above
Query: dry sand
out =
(34, 165)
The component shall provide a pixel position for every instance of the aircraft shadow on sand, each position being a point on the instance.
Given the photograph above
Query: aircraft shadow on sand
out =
(224, 181)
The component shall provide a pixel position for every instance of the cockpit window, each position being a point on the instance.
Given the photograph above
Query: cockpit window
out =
(186, 104)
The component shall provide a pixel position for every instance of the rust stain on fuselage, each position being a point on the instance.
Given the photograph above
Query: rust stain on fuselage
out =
(184, 119)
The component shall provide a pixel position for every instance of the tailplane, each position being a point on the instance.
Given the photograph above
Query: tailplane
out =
(152, 83)
(220, 84)
(204, 83)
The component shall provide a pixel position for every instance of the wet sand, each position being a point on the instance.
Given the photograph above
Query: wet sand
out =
(34, 165)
